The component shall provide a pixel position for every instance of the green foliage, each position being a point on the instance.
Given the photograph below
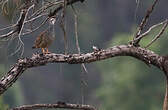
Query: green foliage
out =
(2, 105)
(129, 84)
(13, 96)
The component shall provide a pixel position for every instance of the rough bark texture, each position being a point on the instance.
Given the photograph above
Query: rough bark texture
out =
(145, 55)
(58, 105)
(142, 54)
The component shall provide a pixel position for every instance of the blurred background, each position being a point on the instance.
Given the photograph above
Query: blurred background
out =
(121, 83)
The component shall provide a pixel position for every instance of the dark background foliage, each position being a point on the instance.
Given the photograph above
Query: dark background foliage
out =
(119, 83)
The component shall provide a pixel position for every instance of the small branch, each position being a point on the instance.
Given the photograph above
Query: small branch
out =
(7, 27)
(63, 27)
(143, 23)
(45, 7)
(22, 26)
(142, 54)
(150, 29)
(5, 36)
(17, 27)
(35, 18)
(58, 105)
(76, 29)
(77, 37)
(31, 31)
(159, 34)
(69, 2)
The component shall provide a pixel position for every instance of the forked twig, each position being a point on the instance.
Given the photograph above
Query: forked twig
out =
(150, 29)
(159, 34)
(19, 36)
(29, 32)
(143, 23)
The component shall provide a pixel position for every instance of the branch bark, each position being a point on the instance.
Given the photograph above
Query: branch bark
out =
(57, 105)
(149, 57)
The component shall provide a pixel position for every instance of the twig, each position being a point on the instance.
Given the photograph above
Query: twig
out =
(83, 82)
(45, 20)
(76, 36)
(35, 18)
(8, 34)
(45, 7)
(76, 29)
(57, 105)
(17, 26)
(69, 2)
(143, 23)
(7, 27)
(63, 27)
(20, 32)
(159, 34)
(150, 29)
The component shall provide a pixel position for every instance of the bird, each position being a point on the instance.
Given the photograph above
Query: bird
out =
(43, 41)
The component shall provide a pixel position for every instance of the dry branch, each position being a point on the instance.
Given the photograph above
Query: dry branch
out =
(150, 29)
(16, 28)
(57, 105)
(142, 54)
(159, 34)
(143, 23)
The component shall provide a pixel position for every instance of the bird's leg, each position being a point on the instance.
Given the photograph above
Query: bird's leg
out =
(47, 50)
(43, 50)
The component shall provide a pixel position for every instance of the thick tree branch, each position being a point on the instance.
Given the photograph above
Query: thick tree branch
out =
(142, 54)
(57, 105)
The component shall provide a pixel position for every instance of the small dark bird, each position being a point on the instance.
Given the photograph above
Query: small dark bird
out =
(43, 41)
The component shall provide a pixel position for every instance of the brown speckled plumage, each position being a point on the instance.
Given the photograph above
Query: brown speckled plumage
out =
(43, 41)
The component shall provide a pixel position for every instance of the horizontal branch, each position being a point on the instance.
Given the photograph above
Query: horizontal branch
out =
(58, 105)
(142, 54)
